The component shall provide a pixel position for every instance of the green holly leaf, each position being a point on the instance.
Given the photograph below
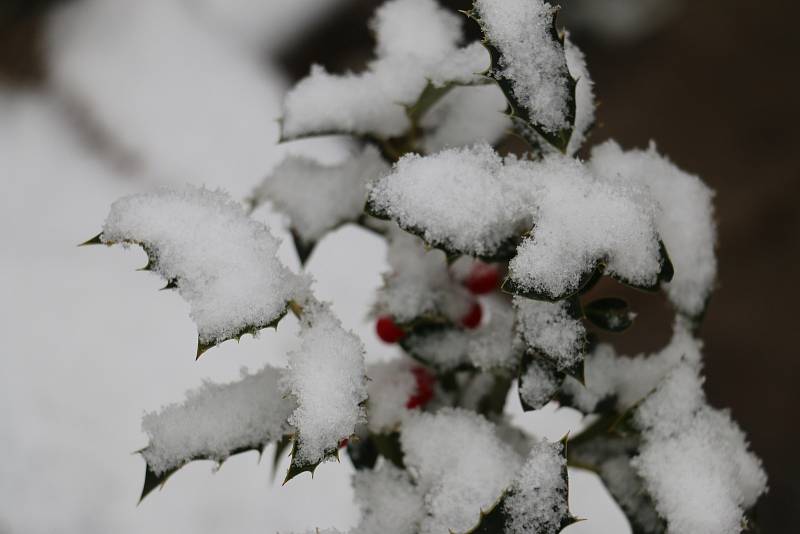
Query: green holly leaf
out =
(495, 519)
(506, 250)
(237, 335)
(298, 466)
(610, 314)
(153, 480)
(586, 281)
(531, 131)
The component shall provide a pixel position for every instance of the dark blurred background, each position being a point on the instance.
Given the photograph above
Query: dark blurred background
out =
(716, 87)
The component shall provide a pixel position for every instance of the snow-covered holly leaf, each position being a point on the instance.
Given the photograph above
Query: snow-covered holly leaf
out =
(327, 380)
(376, 101)
(215, 422)
(529, 64)
(610, 314)
(537, 500)
(153, 480)
(685, 219)
(319, 198)
(539, 381)
(465, 200)
(586, 281)
(298, 465)
(222, 262)
(553, 331)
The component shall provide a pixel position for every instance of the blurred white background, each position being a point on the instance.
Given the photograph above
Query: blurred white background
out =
(185, 92)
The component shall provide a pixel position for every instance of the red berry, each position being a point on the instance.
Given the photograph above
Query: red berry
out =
(484, 278)
(343, 443)
(388, 330)
(424, 392)
(473, 318)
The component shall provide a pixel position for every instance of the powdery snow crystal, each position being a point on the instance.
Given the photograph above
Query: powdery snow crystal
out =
(537, 501)
(316, 197)
(225, 263)
(459, 198)
(466, 116)
(629, 379)
(419, 284)
(532, 60)
(584, 96)
(695, 459)
(685, 217)
(538, 384)
(416, 41)
(548, 327)
(327, 377)
(580, 221)
(390, 385)
(389, 501)
(216, 420)
(460, 465)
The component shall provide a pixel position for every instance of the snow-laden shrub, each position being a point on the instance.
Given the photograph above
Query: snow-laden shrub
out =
(491, 262)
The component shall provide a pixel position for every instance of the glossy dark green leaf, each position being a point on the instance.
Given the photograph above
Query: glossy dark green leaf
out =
(153, 480)
(610, 314)
(298, 466)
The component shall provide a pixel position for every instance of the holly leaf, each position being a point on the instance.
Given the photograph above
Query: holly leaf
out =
(298, 466)
(153, 479)
(586, 281)
(530, 130)
(495, 519)
(610, 314)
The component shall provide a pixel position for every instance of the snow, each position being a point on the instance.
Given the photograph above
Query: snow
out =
(464, 66)
(217, 419)
(685, 218)
(460, 464)
(629, 379)
(584, 96)
(420, 28)
(316, 197)
(388, 500)
(549, 328)
(494, 345)
(462, 199)
(419, 283)
(466, 116)
(490, 346)
(539, 384)
(391, 384)
(695, 459)
(443, 348)
(224, 262)
(532, 60)
(537, 501)
(581, 221)
(327, 377)
(416, 39)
